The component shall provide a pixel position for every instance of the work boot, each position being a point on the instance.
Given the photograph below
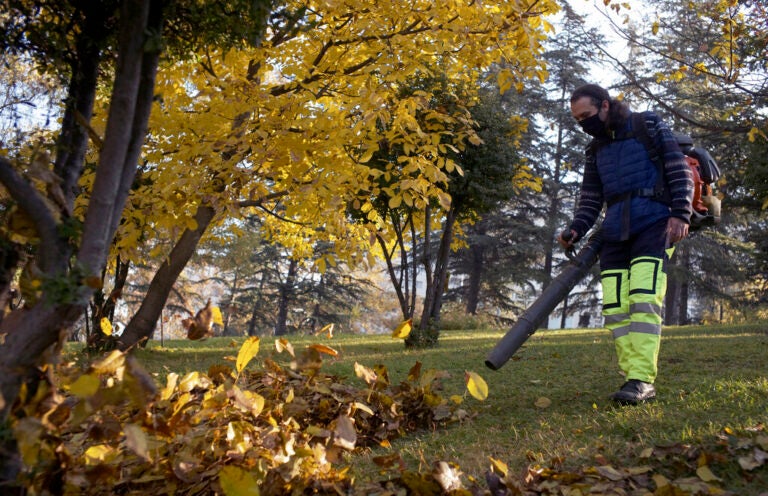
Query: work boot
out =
(634, 392)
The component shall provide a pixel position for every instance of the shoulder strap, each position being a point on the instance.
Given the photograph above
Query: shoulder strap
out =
(640, 132)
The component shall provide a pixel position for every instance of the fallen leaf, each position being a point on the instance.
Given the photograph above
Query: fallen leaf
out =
(321, 348)
(344, 435)
(248, 350)
(611, 473)
(235, 481)
(85, 386)
(403, 330)
(476, 385)
(499, 467)
(543, 402)
(646, 453)
(660, 480)
(136, 440)
(366, 374)
(448, 477)
(283, 344)
(216, 316)
(705, 474)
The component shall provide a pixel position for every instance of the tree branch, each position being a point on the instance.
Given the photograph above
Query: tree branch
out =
(32, 203)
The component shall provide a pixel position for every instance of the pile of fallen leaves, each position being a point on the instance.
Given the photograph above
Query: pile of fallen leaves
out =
(276, 429)
(287, 428)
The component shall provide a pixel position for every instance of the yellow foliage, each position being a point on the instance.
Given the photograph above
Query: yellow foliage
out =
(295, 125)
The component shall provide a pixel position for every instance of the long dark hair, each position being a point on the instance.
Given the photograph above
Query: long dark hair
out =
(618, 111)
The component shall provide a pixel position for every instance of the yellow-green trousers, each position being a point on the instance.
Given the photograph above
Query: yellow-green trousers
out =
(634, 282)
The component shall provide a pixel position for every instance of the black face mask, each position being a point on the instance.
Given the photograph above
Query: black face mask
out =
(594, 126)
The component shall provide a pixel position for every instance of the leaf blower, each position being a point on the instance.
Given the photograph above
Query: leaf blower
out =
(553, 294)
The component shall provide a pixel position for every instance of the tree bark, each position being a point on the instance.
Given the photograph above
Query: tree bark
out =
(105, 307)
(117, 153)
(429, 325)
(286, 290)
(31, 335)
(477, 257)
(143, 323)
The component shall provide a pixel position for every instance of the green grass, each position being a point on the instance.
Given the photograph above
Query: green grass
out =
(711, 379)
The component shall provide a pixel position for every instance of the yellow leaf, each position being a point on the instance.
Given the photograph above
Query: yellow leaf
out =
(543, 402)
(327, 330)
(395, 201)
(646, 453)
(110, 363)
(216, 316)
(235, 481)
(660, 480)
(403, 330)
(499, 467)
(321, 348)
(655, 28)
(106, 326)
(85, 386)
(247, 351)
(706, 474)
(476, 385)
(100, 453)
(170, 386)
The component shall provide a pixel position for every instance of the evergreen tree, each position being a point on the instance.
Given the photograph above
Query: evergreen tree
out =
(706, 76)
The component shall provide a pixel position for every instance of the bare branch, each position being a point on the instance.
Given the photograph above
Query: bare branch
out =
(33, 204)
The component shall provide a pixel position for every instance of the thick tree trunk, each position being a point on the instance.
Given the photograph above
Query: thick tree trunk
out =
(29, 333)
(477, 255)
(128, 114)
(283, 305)
(143, 323)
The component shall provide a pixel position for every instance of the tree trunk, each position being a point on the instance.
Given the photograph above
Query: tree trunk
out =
(563, 315)
(143, 323)
(671, 299)
(685, 261)
(428, 331)
(283, 305)
(105, 307)
(405, 283)
(9, 262)
(33, 336)
(477, 257)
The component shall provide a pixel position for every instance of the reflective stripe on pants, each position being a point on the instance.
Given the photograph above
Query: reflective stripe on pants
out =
(632, 303)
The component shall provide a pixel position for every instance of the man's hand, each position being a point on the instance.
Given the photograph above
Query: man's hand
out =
(566, 238)
(677, 230)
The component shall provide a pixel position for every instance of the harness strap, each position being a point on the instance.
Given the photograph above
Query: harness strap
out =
(658, 192)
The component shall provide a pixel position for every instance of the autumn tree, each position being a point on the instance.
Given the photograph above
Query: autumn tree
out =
(81, 43)
(287, 131)
(494, 176)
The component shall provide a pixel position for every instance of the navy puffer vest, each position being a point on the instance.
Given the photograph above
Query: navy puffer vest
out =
(625, 167)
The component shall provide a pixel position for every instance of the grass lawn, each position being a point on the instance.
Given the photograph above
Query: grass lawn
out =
(548, 405)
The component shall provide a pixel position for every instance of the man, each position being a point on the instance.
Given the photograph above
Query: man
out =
(641, 226)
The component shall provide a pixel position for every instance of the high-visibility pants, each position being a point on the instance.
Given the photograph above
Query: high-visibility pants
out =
(634, 282)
